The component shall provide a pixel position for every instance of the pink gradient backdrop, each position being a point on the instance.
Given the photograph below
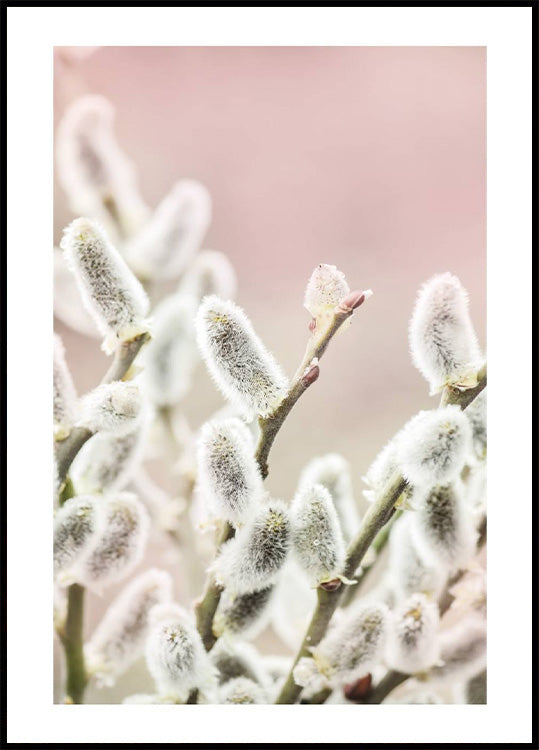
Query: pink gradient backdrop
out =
(369, 158)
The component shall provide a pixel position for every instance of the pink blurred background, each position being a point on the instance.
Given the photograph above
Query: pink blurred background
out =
(368, 158)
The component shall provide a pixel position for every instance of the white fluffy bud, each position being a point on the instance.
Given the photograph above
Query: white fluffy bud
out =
(317, 538)
(121, 545)
(442, 339)
(98, 178)
(254, 558)
(210, 272)
(170, 357)
(78, 526)
(477, 415)
(113, 408)
(242, 690)
(463, 651)
(238, 659)
(107, 462)
(119, 639)
(433, 446)
(165, 245)
(175, 655)
(326, 287)
(243, 614)
(443, 528)
(65, 395)
(228, 474)
(351, 649)
(68, 306)
(333, 472)
(381, 470)
(409, 571)
(243, 369)
(412, 643)
(109, 290)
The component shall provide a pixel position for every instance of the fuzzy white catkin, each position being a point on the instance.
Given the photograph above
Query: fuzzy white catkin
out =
(78, 527)
(476, 413)
(434, 445)
(326, 287)
(228, 474)
(463, 650)
(121, 545)
(175, 655)
(238, 659)
(107, 462)
(242, 690)
(409, 571)
(171, 356)
(68, 306)
(243, 614)
(64, 393)
(443, 528)
(108, 288)
(254, 558)
(166, 244)
(210, 272)
(113, 408)
(412, 643)
(333, 472)
(317, 539)
(443, 343)
(119, 639)
(354, 645)
(242, 368)
(98, 178)
(381, 470)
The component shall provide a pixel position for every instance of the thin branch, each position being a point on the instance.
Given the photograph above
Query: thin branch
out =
(376, 517)
(67, 449)
(306, 375)
(206, 608)
(72, 640)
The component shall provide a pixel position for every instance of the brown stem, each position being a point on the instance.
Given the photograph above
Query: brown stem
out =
(72, 639)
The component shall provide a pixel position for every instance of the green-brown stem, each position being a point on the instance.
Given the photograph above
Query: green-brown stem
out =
(376, 517)
(72, 639)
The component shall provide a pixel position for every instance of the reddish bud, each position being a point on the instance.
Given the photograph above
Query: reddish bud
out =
(312, 325)
(311, 375)
(357, 690)
(352, 301)
(332, 585)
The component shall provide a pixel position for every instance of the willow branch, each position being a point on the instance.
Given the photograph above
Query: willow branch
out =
(72, 640)
(306, 375)
(67, 449)
(376, 517)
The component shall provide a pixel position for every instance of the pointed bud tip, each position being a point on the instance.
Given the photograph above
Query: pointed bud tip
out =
(354, 300)
(310, 375)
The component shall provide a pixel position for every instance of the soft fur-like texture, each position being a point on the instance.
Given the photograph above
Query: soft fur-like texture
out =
(168, 241)
(109, 289)
(463, 651)
(228, 474)
(317, 539)
(170, 358)
(210, 272)
(443, 528)
(254, 558)
(443, 343)
(121, 545)
(243, 614)
(433, 446)
(242, 690)
(333, 472)
(65, 405)
(119, 639)
(175, 655)
(98, 178)
(477, 415)
(78, 527)
(354, 645)
(326, 287)
(412, 643)
(242, 368)
(113, 408)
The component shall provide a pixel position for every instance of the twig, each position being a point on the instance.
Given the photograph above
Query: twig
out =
(306, 375)
(67, 449)
(76, 678)
(375, 518)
